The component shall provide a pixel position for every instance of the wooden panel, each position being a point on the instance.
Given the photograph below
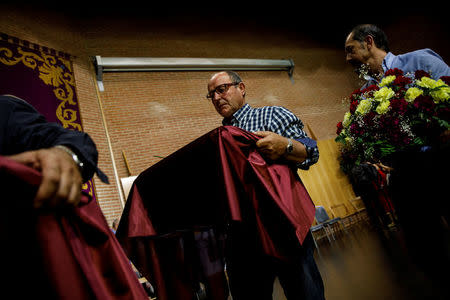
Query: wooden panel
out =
(325, 182)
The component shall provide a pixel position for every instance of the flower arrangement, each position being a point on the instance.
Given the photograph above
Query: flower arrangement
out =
(403, 112)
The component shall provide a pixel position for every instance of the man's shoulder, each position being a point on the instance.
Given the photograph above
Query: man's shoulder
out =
(419, 54)
(423, 59)
(270, 108)
(7, 105)
(10, 101)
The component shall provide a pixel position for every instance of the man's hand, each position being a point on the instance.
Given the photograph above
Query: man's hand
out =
(272, 145)
(61, 178)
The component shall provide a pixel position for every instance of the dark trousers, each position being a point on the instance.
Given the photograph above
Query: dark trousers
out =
(252, 273)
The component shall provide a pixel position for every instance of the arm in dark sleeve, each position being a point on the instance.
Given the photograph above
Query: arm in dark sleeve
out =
(28, 130)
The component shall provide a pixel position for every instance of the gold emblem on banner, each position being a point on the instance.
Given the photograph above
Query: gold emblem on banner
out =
(52, 74)
(60, 78)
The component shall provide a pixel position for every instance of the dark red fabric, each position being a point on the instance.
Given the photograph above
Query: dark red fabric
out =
(383, 193)
(277, 182)
(58, 254)
(218, 178)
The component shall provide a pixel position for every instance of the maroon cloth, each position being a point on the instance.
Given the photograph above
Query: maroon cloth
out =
(58, 254)
(218, 178)
(383, 193)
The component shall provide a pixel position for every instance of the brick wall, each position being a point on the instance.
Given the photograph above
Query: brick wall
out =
(152, 114)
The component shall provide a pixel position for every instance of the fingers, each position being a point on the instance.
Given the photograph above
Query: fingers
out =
(61, 179)
(28, 158)
(262, 133)
(271, 145)
(49, 186)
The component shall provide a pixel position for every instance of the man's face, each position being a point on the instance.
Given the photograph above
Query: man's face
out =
(228, 98)
(357, 53)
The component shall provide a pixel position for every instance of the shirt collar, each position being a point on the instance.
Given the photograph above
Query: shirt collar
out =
(387, 61)
(238, 116)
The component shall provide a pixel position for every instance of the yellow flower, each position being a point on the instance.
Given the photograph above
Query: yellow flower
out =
(364, 107)
(387, 80)
(383, 107)
(346, 121)
(427, 82)
(383, 94)
(412, 93)
(441, 94)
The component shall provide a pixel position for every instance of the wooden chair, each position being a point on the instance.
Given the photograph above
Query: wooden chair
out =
(319, 231)
(360, 208)
(342, 211)
(332, 223)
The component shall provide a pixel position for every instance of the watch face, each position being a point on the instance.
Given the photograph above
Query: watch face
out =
(289, 147)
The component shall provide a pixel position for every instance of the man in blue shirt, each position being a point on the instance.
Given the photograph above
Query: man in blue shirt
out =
(251, 273)
(416, 177)
(281, 131)
(367, 49)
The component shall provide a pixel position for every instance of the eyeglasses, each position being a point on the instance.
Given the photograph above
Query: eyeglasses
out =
(221, 89)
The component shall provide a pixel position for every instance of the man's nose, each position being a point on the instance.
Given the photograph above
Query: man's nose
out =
(348, 57)
(216, 96)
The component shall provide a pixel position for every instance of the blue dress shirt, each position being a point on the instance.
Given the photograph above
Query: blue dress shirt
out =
(423, 59)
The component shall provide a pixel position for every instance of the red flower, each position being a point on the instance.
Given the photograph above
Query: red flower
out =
(370, 88)
(353, 106)
(446, 79)
(443, 113)
(339, 128)
(424, 103)
(356, 129)
(395, 71)
(399, 106)
(421, 73)
(369, 119)
(402, 81)
(355, 95)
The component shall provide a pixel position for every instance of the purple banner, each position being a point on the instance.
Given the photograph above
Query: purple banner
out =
(44, 78)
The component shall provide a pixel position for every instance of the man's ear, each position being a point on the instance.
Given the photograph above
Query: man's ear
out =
(242, 88)
(369, 42)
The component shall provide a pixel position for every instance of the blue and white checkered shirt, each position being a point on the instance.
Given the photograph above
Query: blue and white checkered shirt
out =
(278, 120)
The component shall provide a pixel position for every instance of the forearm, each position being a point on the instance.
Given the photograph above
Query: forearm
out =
(298, 154)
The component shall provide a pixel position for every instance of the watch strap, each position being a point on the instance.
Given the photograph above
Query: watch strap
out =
(75, 158)
(289, 147)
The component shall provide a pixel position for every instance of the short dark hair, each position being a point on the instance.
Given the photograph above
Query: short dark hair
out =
(235, 78)
(379, 37)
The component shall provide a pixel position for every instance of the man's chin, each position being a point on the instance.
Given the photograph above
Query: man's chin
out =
(226, 113)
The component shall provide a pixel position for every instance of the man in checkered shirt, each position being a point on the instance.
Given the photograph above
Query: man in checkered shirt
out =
(251, 275)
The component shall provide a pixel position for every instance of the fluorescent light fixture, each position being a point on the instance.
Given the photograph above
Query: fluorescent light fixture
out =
(161, 64)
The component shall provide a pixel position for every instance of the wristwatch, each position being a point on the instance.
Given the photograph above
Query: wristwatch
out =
(75, 158)
(289, 147)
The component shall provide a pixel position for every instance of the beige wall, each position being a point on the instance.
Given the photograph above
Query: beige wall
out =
(155, 113)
